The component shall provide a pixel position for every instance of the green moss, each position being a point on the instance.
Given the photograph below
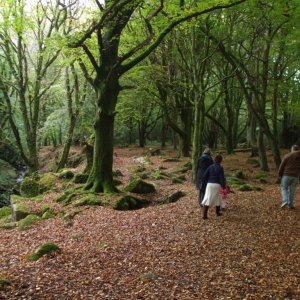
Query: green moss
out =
(48, 214)
(261, 175)
(233, 181)
(7, 225)
(29, 187)
(81, 178)
(20, 211)
(137, 169)
(140, 187)
(5, 211)
(47, 182)
(66, 174)
(28, 221)
(18, 199)
(45, 249)
(89, 199)
(245, 188)
(128, 202)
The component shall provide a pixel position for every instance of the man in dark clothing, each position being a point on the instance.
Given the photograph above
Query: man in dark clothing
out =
(289, 172)
(204, 161)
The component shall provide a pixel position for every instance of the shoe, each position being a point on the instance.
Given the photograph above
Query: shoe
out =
(218, 211)
(291, 207)
(284, 204)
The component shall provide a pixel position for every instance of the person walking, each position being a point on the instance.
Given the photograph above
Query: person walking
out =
(214, 176)
(204, 161)
(288, 174)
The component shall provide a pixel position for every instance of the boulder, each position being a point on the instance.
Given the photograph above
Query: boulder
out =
(139, 186)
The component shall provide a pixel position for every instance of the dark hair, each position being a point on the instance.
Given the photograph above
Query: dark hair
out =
(218, 159)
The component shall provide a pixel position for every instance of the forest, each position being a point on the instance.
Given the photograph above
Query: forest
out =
(105, 108)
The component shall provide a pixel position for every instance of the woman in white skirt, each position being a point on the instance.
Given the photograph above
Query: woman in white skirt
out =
(214, 176)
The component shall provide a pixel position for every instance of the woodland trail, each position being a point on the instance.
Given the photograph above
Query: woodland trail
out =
(162, 252)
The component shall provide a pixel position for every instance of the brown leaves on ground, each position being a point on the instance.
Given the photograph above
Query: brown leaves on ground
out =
(162, 252)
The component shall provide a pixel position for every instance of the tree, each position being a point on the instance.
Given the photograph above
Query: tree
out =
(26, 45)
(108, 65)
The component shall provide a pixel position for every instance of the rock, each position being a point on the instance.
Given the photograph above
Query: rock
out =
(140, 187)
(46, 182)
(29, 187)
(66, 174)
(81, 178)
(174, 197)
(28, 221)
(45, 249)
(128, 202)
(19, 212)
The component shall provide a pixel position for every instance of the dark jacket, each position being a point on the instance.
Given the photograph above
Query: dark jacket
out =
(290, 165)
(204, 161)
(215, 174)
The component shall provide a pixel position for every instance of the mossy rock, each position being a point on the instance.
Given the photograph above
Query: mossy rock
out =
(128, 202)
(29, 187)
(234, 181)
(28, 221)
(138, 176)
(89, 199)
(5, 212)
(180, 169)
(157, 174)
(66, 197)
(47, 212)
(66, 174)
(4, 282)
(45, 249)
(174, 197)
(81, 178)
(261, 175)
(47, 182)
(48, 215)
(8, 225)
(245, 188)
(19, 211)
(137, 169)
(178, 179)
(140, 187)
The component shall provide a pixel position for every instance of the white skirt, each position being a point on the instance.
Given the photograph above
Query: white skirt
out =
(212, 195)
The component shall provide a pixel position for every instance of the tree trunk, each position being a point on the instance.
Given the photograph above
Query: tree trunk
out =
(262, 151)
(64, 157)
(101, 177)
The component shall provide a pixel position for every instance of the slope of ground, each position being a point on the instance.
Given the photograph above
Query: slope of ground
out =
(162, 252)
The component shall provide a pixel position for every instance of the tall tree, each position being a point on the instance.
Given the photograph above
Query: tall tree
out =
(109, 64)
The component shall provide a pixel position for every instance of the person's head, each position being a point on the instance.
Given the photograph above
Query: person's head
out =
(206, 151)
(295, 148)
(218, 159)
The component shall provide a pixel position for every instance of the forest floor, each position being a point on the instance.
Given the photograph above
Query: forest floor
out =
(163, 251)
